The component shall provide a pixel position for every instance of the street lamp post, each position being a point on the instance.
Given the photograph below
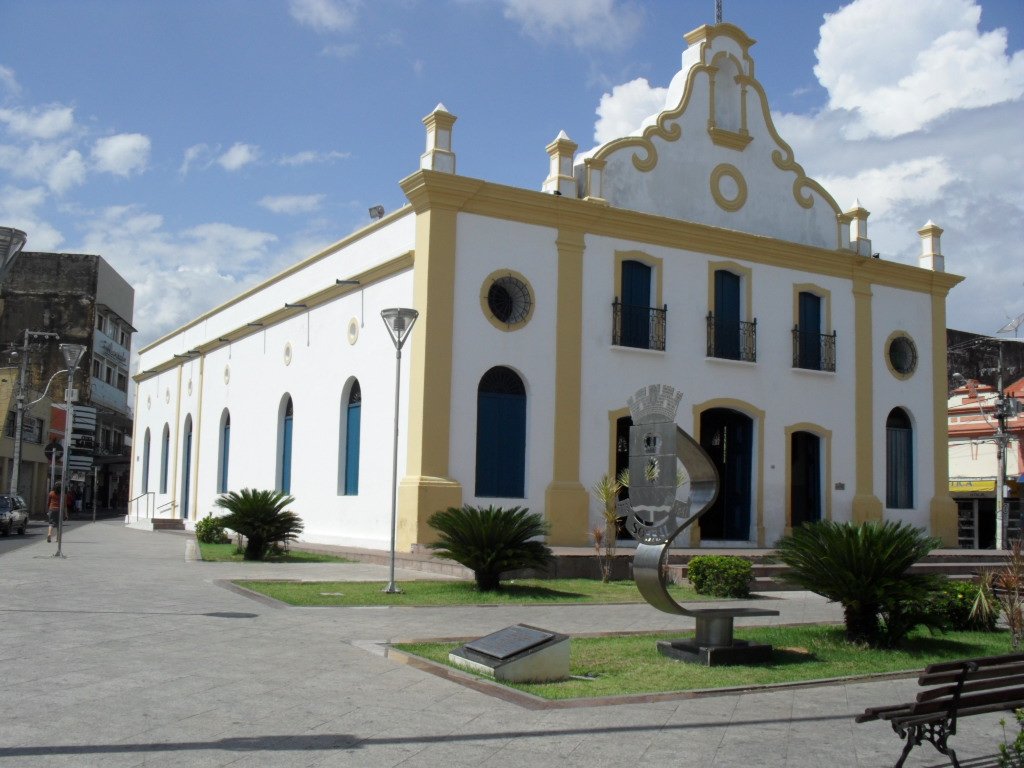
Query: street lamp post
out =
(399, 322)
(72, 354)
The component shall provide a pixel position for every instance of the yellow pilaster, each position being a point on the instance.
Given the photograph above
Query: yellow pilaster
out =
(866, 506)
(426, 487)
(943, 508)
(566, 500)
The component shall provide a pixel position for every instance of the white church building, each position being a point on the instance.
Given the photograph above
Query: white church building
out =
(694, 252)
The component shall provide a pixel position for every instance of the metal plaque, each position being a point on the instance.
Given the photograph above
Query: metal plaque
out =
(509, 641)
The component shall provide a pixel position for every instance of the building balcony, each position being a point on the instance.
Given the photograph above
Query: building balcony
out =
(638, 327)
(732, 339)
(814, 351)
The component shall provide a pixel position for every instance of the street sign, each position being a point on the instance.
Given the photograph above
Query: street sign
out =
(52, 450)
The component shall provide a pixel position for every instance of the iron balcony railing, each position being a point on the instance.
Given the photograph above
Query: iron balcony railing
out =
(814, 351)
(638, 327)
(732, 339)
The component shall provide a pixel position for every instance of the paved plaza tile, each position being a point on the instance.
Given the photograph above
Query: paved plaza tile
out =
(124, 654)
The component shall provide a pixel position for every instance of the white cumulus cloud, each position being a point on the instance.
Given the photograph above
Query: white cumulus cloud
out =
(325, 15)
(121, 155)
(39, 123)
(197, 153)
(622, 111)
(584, 23)
(8, 80)
(67, 172)
(899, 66)
(309, 157)
(239, 156)
(291, 203)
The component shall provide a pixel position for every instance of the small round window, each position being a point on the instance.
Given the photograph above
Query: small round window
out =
(902, 355)
(507, 300)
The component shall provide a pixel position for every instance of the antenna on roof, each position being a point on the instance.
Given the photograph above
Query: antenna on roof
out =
(1013, 325)
(718, 11)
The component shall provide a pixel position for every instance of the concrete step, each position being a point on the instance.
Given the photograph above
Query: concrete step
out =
(156, 523)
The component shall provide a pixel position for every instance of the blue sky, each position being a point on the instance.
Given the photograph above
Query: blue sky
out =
(203, 146)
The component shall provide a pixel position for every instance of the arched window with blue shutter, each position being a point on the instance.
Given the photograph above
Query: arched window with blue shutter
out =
(165, 456)
(225, 452)
(501, 435)
(145, 462)
(353, 419)
(285, 449)
(186, 467)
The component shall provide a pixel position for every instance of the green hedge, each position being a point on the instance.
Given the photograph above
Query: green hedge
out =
(720, 575)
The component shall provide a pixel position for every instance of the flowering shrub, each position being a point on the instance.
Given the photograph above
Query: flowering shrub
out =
(955, 602)
(210, 530)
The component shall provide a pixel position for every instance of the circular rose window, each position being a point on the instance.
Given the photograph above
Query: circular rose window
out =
(901, 355)
(507, 300)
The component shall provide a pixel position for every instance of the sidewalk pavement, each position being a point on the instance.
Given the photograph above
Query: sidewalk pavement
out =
(124, 654)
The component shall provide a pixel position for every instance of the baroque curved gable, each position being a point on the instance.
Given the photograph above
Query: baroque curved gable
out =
(713, 155)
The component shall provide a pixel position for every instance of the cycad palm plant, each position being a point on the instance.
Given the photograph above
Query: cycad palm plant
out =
(261, 517)
(490, 541)
(865, 569)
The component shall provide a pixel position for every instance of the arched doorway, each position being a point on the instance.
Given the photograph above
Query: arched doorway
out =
(501, 434)
(727, 436)
(186, 467)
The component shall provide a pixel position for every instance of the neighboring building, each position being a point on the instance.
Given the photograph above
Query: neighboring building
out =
(694, 253)
(974, 460)
(84, 301)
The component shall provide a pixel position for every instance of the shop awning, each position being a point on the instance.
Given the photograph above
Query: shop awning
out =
(973, 485)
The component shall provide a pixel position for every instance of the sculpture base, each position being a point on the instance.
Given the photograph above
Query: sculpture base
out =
(740, 652)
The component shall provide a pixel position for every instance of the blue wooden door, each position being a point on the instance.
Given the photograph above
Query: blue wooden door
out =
(727, 437)
(805, 493)
(727, 315)
(225, 454)
(353, 417)
(636, 305)
(501, 435)
(810, 331)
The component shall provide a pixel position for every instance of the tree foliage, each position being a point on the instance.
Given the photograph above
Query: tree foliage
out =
(261, 517)
(865, 568)
(490, 541)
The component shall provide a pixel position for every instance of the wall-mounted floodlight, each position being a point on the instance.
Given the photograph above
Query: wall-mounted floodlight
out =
(377, 213)
(295, 306)
(346, 282)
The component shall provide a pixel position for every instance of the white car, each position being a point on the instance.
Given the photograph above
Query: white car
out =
(13, 514)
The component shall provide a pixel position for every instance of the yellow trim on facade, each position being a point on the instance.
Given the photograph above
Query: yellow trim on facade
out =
(866, 505)
(555, 211)
(427, 487)
(756, 415)
(746, 285)
(197, 440)
(486, 308)
(723, 171)
(657, 273)
(942, 508)
(566, 500)
(825, 435)
(826, 304)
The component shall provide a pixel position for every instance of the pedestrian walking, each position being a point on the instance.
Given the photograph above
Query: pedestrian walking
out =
(52, 511)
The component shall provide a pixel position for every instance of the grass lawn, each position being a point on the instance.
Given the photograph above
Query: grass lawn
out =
(513, 592)
(228, 553)
(621, 665)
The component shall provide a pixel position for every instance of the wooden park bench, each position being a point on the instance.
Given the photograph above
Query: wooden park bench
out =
(955, 689)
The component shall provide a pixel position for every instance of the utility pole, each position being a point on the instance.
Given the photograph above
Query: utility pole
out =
(19, 414)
